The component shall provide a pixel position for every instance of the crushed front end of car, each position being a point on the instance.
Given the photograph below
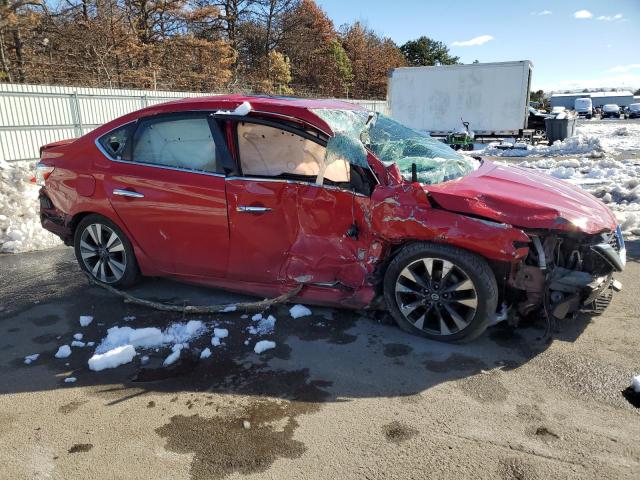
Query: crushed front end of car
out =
(565, 273)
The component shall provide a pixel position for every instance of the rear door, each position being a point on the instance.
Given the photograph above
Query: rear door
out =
(167, 185)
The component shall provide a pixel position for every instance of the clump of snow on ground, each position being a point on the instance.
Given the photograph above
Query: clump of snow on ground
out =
(70, 380)
(215, 341)
(264, 345)
(112, 358)
(206, 353)
(29, 359)
(77, 336)
(63, 351)
(151, 337)
(264, 326)
(85, 320)
(78, 343)
(298, 311)
(20, 229)
(221, 332)
(174, 355)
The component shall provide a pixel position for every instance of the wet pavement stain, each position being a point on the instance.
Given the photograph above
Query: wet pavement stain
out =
(70, 407)
(396, 350)
(222, 446)
(80, 448)
(517, 469)
(397, 432)
(546, 434)
(45, 320)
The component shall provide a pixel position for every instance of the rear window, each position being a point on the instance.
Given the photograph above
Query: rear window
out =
(117, 143)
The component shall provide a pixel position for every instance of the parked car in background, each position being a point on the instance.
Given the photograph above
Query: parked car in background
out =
(632, 111)
(262, 195)
(583, 107)
(610, 110)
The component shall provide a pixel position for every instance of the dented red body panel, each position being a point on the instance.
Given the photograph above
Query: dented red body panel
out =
(525, 198)
(189, 226)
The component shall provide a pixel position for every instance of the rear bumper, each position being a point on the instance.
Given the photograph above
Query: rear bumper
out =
(54, 220)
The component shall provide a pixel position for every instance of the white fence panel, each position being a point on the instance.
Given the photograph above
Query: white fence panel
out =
(34, 115)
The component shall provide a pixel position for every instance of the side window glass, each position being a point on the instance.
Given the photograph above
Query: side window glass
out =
(116, 142)
(271, 152)
(176, 142)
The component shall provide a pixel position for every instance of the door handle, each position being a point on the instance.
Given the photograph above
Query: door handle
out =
(127, 193)
(245, 209)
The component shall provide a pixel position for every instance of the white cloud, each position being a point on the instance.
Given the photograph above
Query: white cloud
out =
(610, 18)
(543, 12)
(625, 68)
(481, 40)
(583, 14)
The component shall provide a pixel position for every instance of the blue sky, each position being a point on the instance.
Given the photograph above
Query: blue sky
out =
(572, 43)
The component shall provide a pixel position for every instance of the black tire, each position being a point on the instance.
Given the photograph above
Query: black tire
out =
(124, 256)
(468, 264)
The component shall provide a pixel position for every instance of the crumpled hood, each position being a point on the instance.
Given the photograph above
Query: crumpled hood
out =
(524, 198)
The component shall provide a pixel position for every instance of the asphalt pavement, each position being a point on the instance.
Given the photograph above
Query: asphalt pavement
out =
(344, 395)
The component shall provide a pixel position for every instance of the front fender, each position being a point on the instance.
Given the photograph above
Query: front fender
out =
(403, 213)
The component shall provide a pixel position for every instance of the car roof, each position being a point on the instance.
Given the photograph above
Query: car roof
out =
(300, 108)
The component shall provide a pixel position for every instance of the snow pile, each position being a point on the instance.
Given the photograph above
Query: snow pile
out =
(20, 229)
(298, 311)
(78, 343)
(264, 345)
(206, 353)
(612, 135)
(577, 145)
(150, 337)
(85, 320)
(112, 358)
(614, 182)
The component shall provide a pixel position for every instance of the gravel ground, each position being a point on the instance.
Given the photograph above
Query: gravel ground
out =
(342, 396)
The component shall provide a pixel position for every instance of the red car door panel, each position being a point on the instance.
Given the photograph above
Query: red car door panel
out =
(263, 224)
(180, 221)
(323, 251)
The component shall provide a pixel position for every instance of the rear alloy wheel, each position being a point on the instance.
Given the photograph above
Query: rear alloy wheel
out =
(104, 252)
(440, 292)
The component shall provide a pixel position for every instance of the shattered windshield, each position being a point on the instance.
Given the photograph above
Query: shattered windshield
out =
(393, 142)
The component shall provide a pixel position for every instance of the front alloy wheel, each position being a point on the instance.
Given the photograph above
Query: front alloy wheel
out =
(104, 252)
(440, 292)
(436, 296)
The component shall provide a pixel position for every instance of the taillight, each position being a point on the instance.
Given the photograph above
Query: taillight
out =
(42, 173)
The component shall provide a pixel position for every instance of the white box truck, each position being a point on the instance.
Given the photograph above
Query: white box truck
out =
(492, 97)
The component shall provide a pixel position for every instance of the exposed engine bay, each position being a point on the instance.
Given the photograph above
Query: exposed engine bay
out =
(565, 273)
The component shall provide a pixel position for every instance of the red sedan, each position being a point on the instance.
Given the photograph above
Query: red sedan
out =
(261, 194)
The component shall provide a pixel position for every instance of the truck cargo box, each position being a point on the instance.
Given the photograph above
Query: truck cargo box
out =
(492, 97)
